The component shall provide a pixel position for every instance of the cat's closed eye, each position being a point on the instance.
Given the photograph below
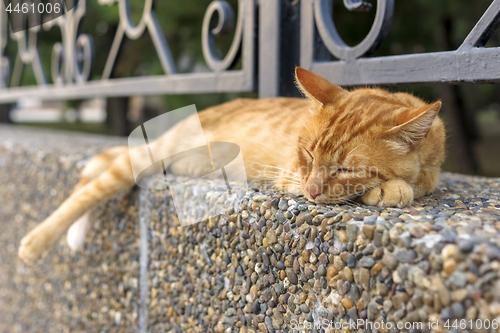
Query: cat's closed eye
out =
(338, 170)
(308, 153)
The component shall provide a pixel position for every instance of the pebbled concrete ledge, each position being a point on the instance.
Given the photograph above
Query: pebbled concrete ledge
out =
(80, 292)
(269, 262)
(274, 263)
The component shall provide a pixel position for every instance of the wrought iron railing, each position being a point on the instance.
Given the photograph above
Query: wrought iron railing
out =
(72, 57)
(471, 62)
(258, 41)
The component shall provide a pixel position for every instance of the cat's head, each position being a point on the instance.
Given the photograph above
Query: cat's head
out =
(356, 140)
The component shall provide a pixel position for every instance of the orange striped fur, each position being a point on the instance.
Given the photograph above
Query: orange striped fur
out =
(335, 146)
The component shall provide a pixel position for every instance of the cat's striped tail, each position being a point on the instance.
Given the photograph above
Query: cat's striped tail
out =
(104, 176)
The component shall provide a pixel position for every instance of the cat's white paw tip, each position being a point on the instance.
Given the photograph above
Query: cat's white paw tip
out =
(25, 252)
(77, 233)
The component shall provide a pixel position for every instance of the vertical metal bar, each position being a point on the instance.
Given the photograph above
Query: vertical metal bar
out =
(5, 110)
(269, 52)
(117, 109)
(4, 61)
(306, 34)
(460, 141)
(249, 46)
(289, 45)
(113, 53)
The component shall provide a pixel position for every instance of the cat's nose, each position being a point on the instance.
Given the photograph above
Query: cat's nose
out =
(313, 191)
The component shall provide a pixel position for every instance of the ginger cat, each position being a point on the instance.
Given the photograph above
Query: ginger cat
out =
(335, 146)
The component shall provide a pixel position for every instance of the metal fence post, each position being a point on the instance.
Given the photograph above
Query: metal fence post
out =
(461, 131)
(5, 110)
(279, 45)
(269, 51)
(290, 47)
(117, 109)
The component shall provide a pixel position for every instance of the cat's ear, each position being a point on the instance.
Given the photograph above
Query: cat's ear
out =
(316, 88)
(415, 124)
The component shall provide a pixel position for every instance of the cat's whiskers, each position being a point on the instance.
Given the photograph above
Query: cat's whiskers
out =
(300, 139)
(295, 117)
(362, 144)
(279, 184)
(278, 168)
(281, 175)
(316, 130)
(281, 169)
(369, 188)
(289, 183)
(353, 202)
(270, 148)
(307, 142)
(290, 147)
(349, 153)
(283, 182)
(348, 201)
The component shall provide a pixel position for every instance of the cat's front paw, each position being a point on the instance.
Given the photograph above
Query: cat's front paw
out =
(393, 193)
(33, 245)
(194, 165)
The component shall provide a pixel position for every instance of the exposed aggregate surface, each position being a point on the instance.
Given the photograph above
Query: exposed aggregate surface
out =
(269, 261)
(277, 260)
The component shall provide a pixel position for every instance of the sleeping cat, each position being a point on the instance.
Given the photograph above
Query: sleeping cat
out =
(370, 145)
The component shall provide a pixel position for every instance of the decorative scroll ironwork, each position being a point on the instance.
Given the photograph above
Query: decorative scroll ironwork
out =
(332, 39)
(72, 57)
(127, 27)
(224, 26)
(27, 54)
(471, 62)
(357, 5)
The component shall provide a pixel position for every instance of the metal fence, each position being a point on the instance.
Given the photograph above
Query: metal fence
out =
(471, 62)
(267, 58)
